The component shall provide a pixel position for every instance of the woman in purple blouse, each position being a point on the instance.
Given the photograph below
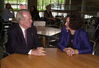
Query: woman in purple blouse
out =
(73, 39)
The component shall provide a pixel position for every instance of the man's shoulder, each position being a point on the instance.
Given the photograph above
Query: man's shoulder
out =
(14, 26)
(32, 28)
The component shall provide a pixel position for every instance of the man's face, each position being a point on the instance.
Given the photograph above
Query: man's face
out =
(27, 22)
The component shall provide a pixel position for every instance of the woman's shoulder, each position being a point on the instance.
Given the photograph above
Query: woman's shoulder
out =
(82, 31)
(63, 28)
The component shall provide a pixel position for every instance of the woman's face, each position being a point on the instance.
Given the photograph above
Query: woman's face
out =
(67, 23)
(48, 8)
(8, 6)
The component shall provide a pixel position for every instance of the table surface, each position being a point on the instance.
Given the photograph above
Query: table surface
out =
(54, 59)
(47, 31)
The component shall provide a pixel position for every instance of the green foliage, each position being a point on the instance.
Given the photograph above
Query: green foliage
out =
(16, 1)
(41, 4)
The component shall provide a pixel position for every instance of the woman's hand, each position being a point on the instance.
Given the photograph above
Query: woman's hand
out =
(70, 51)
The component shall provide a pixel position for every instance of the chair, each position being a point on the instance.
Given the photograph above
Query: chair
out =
(3, 33)
(1, 27)
(5, 39)
(5, 53)
(97, 27)
(52, 41)
(93, 44)
(39, 23)
(96, 49)
(97, 33)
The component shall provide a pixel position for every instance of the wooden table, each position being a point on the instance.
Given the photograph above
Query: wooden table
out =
(54, 59)
(47, 32)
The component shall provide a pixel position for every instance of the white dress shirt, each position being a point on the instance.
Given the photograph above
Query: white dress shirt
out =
(23, 30)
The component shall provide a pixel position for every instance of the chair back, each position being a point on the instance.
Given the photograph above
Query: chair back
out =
(39, 23)
(93, 44)
(97, 28)
(97, 49)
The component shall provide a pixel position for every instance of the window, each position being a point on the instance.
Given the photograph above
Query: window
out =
(88, 16)
(55, 4)
(17, 4)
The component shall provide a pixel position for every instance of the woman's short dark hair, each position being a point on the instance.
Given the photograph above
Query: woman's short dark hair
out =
(75, 22)
(35, 9)
(8, 4)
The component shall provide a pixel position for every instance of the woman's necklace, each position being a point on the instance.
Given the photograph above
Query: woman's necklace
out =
(72, 32)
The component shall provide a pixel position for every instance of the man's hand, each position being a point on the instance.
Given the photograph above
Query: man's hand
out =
(38, 52)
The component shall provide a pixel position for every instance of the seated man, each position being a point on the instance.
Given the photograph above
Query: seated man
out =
(22, 36)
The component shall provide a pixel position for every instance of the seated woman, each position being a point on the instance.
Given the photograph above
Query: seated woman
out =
(8, 12)
(73, 39)
(49, 17)
(34, 13)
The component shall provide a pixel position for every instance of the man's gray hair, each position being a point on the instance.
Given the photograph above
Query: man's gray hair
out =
(19, 15)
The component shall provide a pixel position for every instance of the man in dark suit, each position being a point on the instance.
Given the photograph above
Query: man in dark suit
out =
(22, 36)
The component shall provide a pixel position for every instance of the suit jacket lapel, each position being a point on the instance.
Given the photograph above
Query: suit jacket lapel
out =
(20, 34)
(29, 36)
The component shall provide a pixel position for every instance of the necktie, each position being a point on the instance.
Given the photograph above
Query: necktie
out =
(26, 36)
